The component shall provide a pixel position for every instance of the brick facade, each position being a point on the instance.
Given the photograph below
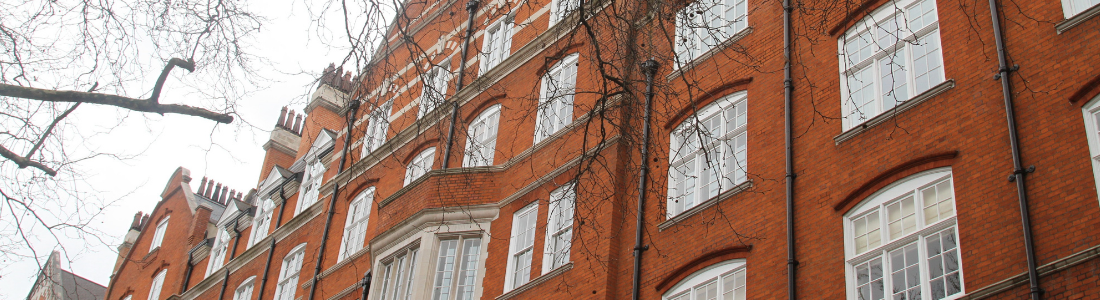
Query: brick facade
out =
(962, 129)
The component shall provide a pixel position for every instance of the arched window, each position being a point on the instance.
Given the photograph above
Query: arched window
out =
(705, 24)
(902, 242)
(158, 284)
(1092, 134)
(724, 280)
(481, 138)
(436, 85)
(244, 291)
(555, 110)
(355, 228)
(288, 277)
(708, 153)
(420, 165)
(889, 57)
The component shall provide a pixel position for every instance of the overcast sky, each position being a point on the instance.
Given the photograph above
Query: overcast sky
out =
(230, 154)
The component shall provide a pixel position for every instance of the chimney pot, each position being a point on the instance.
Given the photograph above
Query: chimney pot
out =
(298, 124)
(202, 186)
(289, 120)
(217, 192)
(282, 117)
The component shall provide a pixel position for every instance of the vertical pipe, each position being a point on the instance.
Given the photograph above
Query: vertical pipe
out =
(649, 67)
(1019, 172)
(187, 275)
(788, 87)
(271, 250)
(471, 8)
(353, 108)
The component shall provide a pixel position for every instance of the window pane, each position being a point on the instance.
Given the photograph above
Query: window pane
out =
(905, 272)
(892, 84)
(471, 250)
(445, 265)
(943, 264)
(869, 280)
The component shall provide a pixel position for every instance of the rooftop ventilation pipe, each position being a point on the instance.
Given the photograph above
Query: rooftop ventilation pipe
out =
(353, 108)
(471, 8)
(649, 67)
(1019, 172)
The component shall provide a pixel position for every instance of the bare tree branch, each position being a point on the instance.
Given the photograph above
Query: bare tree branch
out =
(24, 162)
(113, 100)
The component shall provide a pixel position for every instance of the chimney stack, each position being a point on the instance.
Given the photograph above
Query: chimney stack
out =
(202, 186)
(297, 125)
(282, 117)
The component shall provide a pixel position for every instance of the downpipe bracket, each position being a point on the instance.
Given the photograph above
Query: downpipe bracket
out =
(1013, 68)
(1021, 172)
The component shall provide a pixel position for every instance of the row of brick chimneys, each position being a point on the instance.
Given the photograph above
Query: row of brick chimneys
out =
(139, 221)
(290, 121)
(218, 193)
(332, 78)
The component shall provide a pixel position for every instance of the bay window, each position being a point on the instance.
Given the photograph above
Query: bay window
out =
(456, 268)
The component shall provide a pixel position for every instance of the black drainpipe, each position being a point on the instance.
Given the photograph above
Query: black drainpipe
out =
(271, 250)
(352, 109)
(471, 8)
(187, 275)
(1018, 170)
(788, 88)
(649, 67)
(366, 286)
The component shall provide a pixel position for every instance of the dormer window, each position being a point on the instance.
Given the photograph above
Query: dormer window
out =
(218, 251)
(262, 223)
(311, 185)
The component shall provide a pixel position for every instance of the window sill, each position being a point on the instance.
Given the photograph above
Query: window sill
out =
(904, 106)
(703, 206)
(710, 53)
(1077, 19)
(529, 285)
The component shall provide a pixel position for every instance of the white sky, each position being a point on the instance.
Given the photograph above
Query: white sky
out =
(230, 154)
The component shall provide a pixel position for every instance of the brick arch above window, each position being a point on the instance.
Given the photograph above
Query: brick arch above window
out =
(855, 15)
(419, 148)
(557, 56)
(902, 170)
(701, 262)
(707, 98)
(481, 107)
(1090, 89)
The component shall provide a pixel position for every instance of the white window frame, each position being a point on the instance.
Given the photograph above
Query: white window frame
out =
(261, 224)
(355, 226)
(289, 273)
(559, 227)
(218, 251)
(420, 164)
(244, 291)
(692, 176)
(728, 278)
(456, 268)
(695, 32)
(311, 185)
(158, 284)
(555, 110)
(496, 44)
(402, 285)
(895, 38)
(378, 123)
(1091, 112)
(521, 252)
(1074, 7)
(559, 9)
(481, 138)
(871, 224)
(158, 234)
(436, 84)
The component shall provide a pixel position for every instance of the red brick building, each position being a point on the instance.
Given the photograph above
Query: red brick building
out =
(817, 150)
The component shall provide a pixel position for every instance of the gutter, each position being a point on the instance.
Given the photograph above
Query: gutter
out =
(1018, 173)
(353, 108)
(471, 8)
(649, 67)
